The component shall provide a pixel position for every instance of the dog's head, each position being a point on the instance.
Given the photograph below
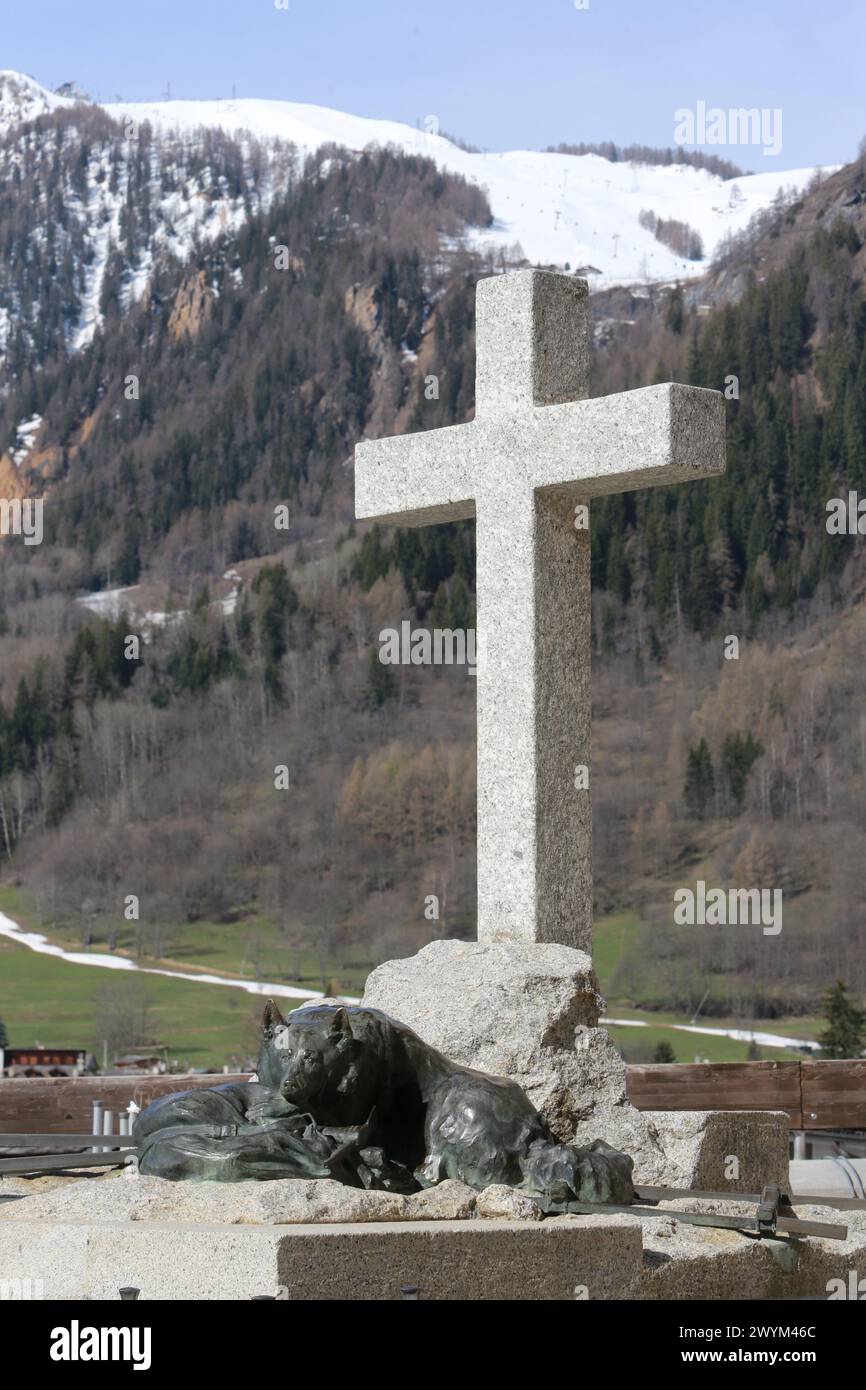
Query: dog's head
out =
(309, 1056)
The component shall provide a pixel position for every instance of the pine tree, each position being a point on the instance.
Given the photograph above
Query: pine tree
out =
(675, 313)
(845, 1034)
(372, 561)
(702, 596)
(700, 782)
(665, 579)
(279, 602)
(664, 1053)
(381, 681)
(4, 1036)
(129, 561)
(738, 756)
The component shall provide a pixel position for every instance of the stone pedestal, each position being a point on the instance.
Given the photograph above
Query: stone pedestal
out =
(297, 1240)
(447, 1260)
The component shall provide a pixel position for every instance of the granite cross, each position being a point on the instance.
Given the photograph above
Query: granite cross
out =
(525, 468)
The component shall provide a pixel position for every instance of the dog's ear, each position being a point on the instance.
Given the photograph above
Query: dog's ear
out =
(272, 1019)
(341, 1026)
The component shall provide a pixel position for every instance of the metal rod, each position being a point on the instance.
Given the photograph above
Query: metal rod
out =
(790, 1226)
(795, 1227)
(69, 1142)
(671, 1194)
(694, 1218)
(59, 1162)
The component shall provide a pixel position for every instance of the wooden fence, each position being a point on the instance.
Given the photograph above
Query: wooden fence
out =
(816, 1095)
(64, 1105)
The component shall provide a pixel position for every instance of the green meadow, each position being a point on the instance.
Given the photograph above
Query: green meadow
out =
(46, 1000)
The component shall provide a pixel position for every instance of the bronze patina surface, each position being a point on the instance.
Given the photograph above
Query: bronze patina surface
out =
(348, 1093)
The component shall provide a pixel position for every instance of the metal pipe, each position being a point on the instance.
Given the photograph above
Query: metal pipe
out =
(98, 1107)
(827, 1177)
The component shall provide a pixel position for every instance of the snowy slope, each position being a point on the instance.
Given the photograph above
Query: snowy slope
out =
(188, 203)
(562, 209)
(576, 211)
(22, 99)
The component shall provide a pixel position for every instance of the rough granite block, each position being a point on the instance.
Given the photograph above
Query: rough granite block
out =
(701, 1144)
(529, 1012)
(284, 1201)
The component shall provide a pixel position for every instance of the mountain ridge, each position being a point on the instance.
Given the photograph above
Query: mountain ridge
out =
(580, 212)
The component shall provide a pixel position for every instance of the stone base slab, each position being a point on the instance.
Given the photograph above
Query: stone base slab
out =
(467, 1260)
(594, 1258)
(682, 1262)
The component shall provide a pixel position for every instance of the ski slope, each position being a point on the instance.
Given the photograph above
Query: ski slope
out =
(579, 212)
(563, 210)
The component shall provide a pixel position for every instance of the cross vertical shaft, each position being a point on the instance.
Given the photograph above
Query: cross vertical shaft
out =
(534, 826)
(533, 601)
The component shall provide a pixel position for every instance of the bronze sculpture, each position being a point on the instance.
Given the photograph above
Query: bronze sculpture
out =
(346, 1092)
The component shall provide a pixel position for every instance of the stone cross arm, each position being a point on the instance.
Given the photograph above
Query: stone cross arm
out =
(534, 429)
(655, 435)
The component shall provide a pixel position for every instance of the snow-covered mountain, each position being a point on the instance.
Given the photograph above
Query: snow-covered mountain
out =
(90, 209)
(576, 210)
(22, 99)
(584, 212)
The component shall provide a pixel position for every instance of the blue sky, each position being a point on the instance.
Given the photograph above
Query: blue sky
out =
(500, 73)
